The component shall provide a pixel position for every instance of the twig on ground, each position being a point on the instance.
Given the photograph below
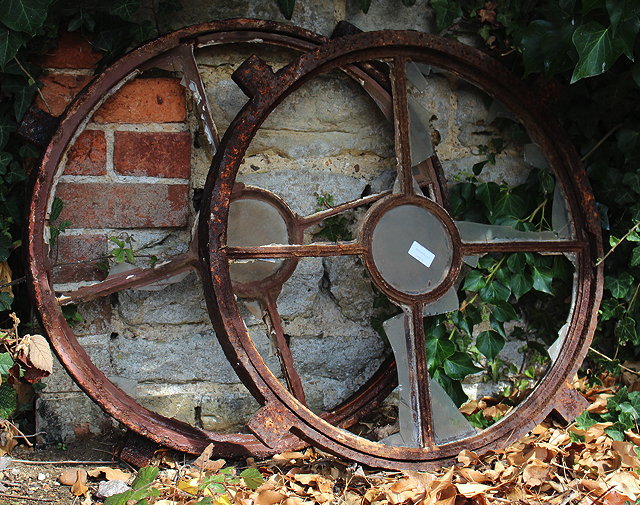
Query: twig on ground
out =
(23, 497)
(61, 462)
(626, 369)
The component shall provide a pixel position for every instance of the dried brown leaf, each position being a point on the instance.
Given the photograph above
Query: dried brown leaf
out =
(79, 487)
(471, 489)
(5, 277)
(467, 458)
(109, 473)
(269, 497)
(535, 473)
(8, 433)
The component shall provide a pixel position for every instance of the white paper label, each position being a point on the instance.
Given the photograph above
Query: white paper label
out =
(422, 254)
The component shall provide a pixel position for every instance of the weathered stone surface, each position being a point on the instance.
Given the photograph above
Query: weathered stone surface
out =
(300, 189)
(227, 408)
(350, 286)
(391, 15)
(67, 416)
(97, 347)
(168, 400)
(316, 16)
(172, 353)
(179, 303)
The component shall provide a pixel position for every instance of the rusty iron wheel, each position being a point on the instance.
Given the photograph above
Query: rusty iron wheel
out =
(282, 413)
(175, 50)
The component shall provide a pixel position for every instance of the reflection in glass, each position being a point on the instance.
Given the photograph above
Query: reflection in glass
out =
(254, 222)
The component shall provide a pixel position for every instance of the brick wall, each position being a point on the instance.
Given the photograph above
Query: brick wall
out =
(126, 174)
(128, 169)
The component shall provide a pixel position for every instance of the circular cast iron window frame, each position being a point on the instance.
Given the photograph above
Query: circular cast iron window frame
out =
(281, 411)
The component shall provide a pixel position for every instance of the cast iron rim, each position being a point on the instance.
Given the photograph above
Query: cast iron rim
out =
(488, 75)
(165, 431)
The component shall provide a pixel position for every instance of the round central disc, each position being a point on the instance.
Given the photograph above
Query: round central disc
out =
(411, 248)
(254, 222)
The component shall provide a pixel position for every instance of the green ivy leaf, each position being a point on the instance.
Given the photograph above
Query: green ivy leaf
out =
(584, 421)
(438, 350)
(495, 292)
(635, 257)
(6, 127)
(542, 279)
(626, 331)
(6, 300)
(490, 343)
(622, 12)
(510, 204)
(546, 47)
(459, 365)
(10, 42)
(408, 3)
(520, 284)
(24, 15)
(488, 193)
(504, 311)
(452, 387)
(516, 262)
(286, 7)
(8, 400)
(632, 180)
(125, 8)
(252, 478)
(446, 13)
(22, 99)
(5, 363)
(619, 286)
(597, 50)
(145, 477)
(474, 281)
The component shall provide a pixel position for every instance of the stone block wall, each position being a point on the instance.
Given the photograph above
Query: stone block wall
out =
(135, 173)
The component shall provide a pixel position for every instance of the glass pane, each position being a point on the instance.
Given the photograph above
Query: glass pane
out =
(411, 249)
(254, 222)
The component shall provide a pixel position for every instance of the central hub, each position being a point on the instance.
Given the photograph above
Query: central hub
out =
(412, 250)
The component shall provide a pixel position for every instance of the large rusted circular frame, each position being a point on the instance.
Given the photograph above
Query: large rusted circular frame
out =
(488, 75)
(167, 432)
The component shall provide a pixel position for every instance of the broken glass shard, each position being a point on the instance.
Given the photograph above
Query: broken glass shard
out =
(446, 303)
(479, 232)
(534, 156)
(419, 132)
(560, 215)
(415, 76)
(448, 422)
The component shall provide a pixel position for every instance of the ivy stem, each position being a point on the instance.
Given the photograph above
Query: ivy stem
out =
(494, 270)
(530, 217)
(26, 72)
(600, 142)
(634, 228)
(633, 299)
(604, 356)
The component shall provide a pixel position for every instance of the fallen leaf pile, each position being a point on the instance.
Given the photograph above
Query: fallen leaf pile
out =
(553, 464)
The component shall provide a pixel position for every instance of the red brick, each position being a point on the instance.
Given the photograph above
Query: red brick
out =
(59, 90)
(153, 154)
(87, 156)
(114, 205)
(158, 100)
(75, 257)
(73, 51)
